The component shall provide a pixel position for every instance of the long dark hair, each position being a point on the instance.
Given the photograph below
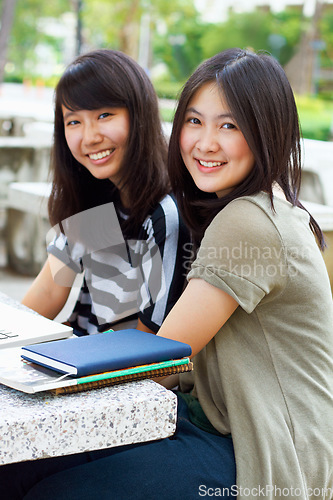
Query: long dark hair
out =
(261, 100)
(94, 80)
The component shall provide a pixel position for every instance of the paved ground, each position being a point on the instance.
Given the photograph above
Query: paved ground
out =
(13, 284)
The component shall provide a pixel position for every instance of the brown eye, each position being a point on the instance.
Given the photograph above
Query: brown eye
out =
(72, 122)
(195, 121)
(104, 115)
(229, 126)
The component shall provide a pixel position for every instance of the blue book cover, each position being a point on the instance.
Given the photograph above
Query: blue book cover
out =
(107, 351)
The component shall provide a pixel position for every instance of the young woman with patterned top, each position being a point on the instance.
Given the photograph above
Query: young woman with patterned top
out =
(110, 204)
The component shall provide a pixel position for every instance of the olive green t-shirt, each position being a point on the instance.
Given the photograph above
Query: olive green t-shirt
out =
(267, 375)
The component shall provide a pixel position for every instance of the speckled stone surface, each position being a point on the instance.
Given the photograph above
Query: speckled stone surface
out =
(44, 425)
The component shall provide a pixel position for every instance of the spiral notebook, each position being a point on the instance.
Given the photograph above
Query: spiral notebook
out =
(105, 352)
(105, 359)
(31, 378)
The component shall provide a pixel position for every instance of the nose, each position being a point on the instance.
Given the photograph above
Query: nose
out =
(208, 141)
(91, 134)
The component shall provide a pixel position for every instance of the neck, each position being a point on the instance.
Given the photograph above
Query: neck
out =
(124, 198)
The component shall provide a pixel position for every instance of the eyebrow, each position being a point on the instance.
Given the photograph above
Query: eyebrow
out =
(67, 114)
(219, 117)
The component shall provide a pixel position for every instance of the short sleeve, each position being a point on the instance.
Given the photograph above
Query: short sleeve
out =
(59, 248)
(242, 253)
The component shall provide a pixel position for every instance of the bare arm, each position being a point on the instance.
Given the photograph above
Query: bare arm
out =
(143, 328)
(198, 315)
(45, 295)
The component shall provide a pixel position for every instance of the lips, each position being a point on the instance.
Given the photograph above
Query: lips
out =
(101, 154)
(210, 164)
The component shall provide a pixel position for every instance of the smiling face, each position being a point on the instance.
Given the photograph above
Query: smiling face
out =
(213, 148)
(98, 139)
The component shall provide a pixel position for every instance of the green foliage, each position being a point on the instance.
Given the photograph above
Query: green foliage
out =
(167, 114)
(259, 30)
(290, 25)
(179, 47)
(179, 38)
(277, 33)
(13, 78)
(316, 117)
(104, 22)
(116, 24)
(326, 29)
(166, 89)
(27, 33)
(326, 95)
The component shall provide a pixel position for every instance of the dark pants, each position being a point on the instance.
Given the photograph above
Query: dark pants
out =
(191, 464)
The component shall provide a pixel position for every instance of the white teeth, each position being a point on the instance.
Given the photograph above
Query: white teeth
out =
(99, 156)
(210, 164)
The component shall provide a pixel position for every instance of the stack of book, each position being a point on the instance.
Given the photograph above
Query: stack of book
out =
(93, 361)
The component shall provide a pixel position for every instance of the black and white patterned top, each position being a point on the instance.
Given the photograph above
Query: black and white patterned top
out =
(124, 279)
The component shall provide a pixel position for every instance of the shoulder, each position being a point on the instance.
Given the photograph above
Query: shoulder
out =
(164, 217)
(255, 214)
(246, 212)
(249, 219)
(243, 250)
(59, 241)
(258, 204)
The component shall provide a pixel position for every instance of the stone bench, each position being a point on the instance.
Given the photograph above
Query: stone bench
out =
(26, 226)
(317, 175)
(23, 159)
(323, 214)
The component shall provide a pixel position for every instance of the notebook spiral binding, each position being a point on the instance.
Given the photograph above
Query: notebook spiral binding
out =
(98, 384)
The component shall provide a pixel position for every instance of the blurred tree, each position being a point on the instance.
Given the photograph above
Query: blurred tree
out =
(179, 43)
(117, 24)
(110, 23)
(259, 30)
(171, 32)
(326, 29)
(289, 25)
(27, 31)
(7, 17)
(77, 7)
(100, 23)
(303, 69)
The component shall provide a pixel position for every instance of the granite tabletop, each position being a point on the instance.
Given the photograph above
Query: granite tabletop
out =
(44, 425)
(41, 425)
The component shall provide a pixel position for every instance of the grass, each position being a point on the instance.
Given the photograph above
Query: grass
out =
(167, 114)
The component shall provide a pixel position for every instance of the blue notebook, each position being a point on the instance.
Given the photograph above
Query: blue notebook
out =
(104, 352)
